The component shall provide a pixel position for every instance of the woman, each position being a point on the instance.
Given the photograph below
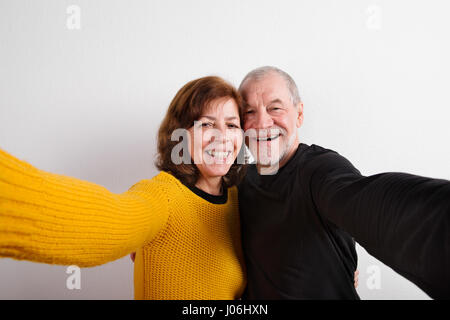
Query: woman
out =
(183, 223)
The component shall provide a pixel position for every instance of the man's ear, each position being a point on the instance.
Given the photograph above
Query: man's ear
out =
(299, 114)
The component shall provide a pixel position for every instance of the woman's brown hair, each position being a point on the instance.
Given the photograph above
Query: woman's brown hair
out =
(186, 107)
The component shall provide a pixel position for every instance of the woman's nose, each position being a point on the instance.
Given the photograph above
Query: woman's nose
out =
(221, 135)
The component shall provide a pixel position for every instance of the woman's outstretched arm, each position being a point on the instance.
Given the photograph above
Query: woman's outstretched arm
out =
(56, 219)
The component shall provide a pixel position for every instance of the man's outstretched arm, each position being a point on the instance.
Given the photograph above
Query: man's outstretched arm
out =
(401, 219)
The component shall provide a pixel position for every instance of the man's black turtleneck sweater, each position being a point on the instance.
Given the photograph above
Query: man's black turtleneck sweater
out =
(298, 227)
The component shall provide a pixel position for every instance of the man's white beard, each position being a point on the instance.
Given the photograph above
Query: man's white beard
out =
(268, 164)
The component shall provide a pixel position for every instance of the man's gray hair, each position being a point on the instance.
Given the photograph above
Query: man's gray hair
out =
(261, 72)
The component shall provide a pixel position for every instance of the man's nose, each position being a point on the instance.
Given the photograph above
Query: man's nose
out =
(263, 119)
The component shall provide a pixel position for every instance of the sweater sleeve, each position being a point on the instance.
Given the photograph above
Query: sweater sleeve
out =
(401, 219)
(56, 219)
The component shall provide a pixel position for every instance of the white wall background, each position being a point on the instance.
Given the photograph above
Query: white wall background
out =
(374, 76)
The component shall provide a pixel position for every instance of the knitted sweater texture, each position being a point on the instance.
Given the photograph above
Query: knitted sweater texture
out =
(187, 247)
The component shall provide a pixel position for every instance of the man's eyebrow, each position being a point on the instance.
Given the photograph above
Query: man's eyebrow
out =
(271, 102)
(275, 101)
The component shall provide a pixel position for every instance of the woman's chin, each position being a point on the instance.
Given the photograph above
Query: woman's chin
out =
(217, 170)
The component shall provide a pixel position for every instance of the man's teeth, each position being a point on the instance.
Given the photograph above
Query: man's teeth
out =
(268, 138)
(218, 154)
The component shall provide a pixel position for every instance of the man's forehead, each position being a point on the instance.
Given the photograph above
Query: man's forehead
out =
(265, 92)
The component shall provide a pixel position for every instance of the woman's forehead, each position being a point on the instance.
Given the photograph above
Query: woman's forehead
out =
(225, 106)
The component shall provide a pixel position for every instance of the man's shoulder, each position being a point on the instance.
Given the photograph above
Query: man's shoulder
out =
(312, 155)
(309, 159)
(304, 153)
(317, 157)
(315, 150)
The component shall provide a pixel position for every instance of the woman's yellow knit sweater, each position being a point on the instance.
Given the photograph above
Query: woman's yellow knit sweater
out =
(187, 247)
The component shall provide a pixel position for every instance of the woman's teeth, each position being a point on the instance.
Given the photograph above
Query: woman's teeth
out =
(218, 154)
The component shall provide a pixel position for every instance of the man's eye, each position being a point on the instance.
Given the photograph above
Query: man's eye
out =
(248, 111)
(275, 109)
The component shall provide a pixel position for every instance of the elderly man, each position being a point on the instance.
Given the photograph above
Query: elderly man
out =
(301, 207)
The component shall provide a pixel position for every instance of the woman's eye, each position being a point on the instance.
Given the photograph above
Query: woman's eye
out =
(231, 125)
(248, 111)
(207, 124)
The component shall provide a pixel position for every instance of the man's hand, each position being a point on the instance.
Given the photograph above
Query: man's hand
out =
(355, 279)
(133, 256)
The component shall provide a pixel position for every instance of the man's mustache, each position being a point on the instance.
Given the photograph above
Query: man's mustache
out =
(265, 133)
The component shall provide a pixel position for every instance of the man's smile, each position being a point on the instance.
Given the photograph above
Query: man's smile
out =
(269, 138)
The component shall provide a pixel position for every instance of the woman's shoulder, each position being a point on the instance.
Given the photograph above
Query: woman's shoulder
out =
(168, 186)
(163, 181)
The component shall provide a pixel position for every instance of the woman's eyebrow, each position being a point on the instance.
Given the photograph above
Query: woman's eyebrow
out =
(214, 118)
(209, 117)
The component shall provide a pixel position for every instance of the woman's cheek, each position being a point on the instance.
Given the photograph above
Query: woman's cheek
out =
(237, 140)
(206, 137)
(197, 145)
(206, 140)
